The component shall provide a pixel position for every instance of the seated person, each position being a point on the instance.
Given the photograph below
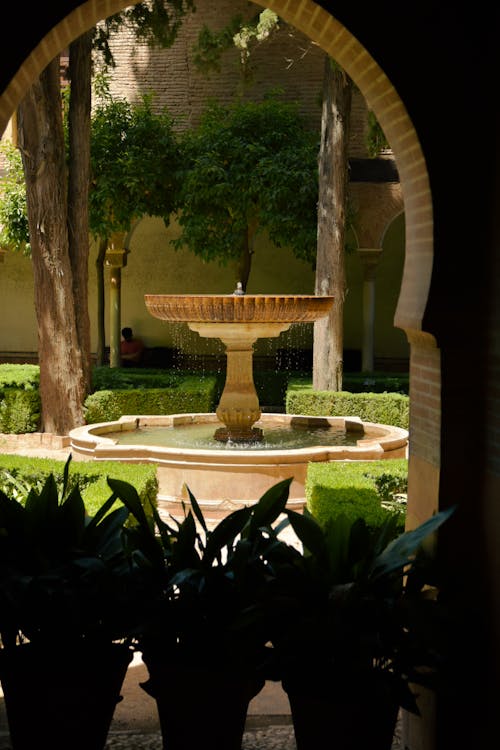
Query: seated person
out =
(131, 349)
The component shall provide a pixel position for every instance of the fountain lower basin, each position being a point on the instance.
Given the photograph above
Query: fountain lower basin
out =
(223, 480)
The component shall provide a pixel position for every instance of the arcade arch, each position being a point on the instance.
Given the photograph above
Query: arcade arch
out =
(383, 99)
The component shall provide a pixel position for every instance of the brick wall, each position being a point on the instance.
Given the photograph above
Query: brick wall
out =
(288, 60)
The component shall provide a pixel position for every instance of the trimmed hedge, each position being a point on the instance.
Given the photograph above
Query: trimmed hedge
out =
(124, 378)
(18, 473)
(357, 489)
(193, 394)
(20, 405)
(383, 408)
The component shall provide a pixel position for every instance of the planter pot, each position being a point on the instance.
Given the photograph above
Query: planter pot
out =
(62, 699)
(201, 708)
(356, 722)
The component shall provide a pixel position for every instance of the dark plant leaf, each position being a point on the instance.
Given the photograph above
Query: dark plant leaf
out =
(270, 505)
(400, 551)
(196, 509)
(308, 531)
(224, 534)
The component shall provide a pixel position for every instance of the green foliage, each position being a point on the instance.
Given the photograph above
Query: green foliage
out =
(18, 474)
(256, 31)
(375, 136)
(20, 410)
(134, 165)
(249, 167)
(64, 577)
(382, 408)
(19, 398)
(156, 22)
(122, 378)
(353, 615)
(20, 376)
(191, 395)
(204, 615)
(211, 44)
(358, 489)
(14, 232)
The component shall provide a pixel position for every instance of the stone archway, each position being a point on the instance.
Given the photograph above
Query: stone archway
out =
(382, 98)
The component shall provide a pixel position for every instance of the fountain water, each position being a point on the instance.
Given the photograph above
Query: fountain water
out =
(241, 466)
(238, 320)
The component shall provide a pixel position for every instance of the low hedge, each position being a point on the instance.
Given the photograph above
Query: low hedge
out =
(358, 489)
(383, 408)
(20, 405)
(128, 378)
(191, 394)
(18, 473)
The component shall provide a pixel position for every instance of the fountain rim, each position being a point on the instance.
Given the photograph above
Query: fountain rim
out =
(377, 440)
(233, 308)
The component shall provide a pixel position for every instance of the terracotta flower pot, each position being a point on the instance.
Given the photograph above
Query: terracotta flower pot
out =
(62, 699)
(343, 722)
(201, 708)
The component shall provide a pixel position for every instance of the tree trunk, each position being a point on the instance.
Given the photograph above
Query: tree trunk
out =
(244, 265)
(101, 300)
(332, 196)
(41, 140)
(80, 57)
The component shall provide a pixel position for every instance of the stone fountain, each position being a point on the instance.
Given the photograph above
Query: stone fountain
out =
(238, 320)
(240, 464)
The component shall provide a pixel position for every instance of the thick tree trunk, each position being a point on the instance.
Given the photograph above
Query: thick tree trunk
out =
(41, 140)
(80, 57)
(332, 196)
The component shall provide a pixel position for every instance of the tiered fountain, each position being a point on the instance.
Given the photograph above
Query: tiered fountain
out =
(237, 466)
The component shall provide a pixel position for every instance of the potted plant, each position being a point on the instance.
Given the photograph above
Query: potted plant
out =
(353, 622)
(67, 590)
(202, 639)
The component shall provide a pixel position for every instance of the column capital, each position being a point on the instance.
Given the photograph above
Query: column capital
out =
(116, 258)
(369, 257)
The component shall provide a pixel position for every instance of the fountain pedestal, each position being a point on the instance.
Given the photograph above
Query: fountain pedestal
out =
(238, 320)
(239, 407)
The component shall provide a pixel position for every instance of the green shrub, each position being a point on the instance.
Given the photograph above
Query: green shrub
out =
(357, 489)
(19, 473)
(271, 387)
(19, 410)
(362, 382)
(124, 378)
(19, 398)
(192, 394)
(383, 408)
(26, 377)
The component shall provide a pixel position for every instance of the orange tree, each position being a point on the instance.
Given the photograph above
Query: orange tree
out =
(135, 160)
(249, 167)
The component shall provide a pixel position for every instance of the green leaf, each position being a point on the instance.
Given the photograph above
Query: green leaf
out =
(400, 551)
(270, 505)
(196, 509)
(224, 534)
(308, 531)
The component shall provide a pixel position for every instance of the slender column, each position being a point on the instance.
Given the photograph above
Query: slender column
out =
(116, 259)
(239, 407)
(115, 283)
(369, 259)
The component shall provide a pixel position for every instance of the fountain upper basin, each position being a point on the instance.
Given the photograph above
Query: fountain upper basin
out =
(224, 480)
(231, 308)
